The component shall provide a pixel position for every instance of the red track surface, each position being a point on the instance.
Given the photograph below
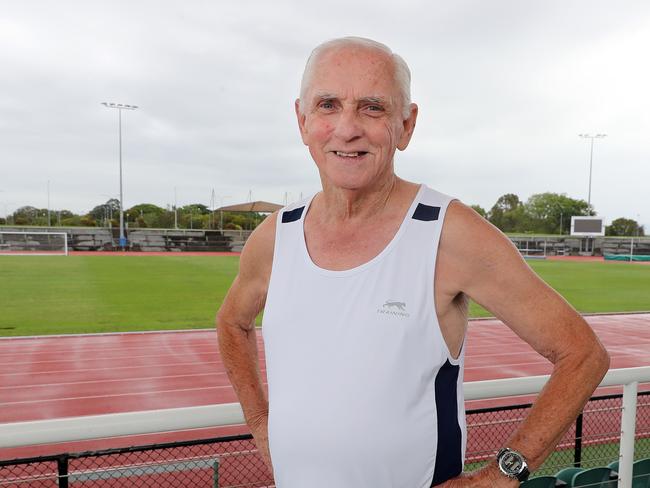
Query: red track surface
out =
(151, 253)
(64, 376)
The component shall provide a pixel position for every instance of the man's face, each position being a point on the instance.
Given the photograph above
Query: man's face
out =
(352, 117)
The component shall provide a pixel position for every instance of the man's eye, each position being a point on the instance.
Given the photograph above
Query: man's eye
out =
(326, 105)
(374, 108)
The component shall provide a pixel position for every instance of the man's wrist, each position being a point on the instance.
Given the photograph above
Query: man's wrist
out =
(512, 464)
(490, 477)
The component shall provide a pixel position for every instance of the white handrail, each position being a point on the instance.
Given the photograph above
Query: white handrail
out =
(71, 429)
(529, 385)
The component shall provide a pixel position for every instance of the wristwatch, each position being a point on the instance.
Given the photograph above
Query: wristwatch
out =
(513, 464)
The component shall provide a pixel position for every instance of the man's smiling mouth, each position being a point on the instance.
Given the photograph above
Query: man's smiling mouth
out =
(350, 154)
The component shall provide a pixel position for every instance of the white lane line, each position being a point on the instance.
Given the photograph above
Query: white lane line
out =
(108, 368)
(82, 349)
(76, 360)
(114, 380)
(117, 395)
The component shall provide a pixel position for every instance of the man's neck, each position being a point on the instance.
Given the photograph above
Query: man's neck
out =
(340, 205)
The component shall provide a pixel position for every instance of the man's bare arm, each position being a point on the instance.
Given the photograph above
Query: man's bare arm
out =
(236, 330)
(487, 267)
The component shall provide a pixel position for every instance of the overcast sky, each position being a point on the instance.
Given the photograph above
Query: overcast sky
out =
(504, 89)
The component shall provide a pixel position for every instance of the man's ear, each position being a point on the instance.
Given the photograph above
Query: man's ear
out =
(408, 127)
(301, 121)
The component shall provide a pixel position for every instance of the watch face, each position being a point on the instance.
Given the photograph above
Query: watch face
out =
(512, 463)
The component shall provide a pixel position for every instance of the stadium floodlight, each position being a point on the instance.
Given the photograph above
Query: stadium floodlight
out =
(120, 107)
(591, 157)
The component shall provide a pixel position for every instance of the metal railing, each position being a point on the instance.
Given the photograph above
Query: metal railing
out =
(604, 432)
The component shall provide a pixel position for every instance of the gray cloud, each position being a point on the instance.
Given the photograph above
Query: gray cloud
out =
(504, 88)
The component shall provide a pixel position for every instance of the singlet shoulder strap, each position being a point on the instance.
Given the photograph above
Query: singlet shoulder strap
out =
(432, 205)
(294, 211)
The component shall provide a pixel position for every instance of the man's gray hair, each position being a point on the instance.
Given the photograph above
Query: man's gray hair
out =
(402, 72)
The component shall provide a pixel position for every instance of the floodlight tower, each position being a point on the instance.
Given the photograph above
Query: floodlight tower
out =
(120, 107)
(591, 158)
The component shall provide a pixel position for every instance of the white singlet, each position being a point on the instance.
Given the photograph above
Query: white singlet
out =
(363, 391)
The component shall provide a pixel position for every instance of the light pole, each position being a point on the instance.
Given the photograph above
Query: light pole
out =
(591, 158)
(175, 210)
(120, 107)
(222, 197)
(49, 223)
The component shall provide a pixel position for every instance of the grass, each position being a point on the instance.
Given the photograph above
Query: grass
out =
(75, 294)
(58, 295)
(594, 286)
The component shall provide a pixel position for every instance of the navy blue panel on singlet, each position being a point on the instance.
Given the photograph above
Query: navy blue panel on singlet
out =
(449, 455)
(292, 215)
(426, 212)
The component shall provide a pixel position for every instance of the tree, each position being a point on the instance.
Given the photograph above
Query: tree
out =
(195, 208)
(547, 211)
(509, 214)
(106, 211)
(73, 221)
(87, 221)
(624, 227)
(146, 214)
(145, 209)
(507, 203)
(26, 215)
(479, 210)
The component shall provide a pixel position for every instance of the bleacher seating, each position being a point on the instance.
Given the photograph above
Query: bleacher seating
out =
(543, 482)
(596, 478)
(641, 474)
(601, 477)
(567, 474)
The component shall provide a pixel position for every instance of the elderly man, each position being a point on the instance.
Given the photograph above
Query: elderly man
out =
(365, 288)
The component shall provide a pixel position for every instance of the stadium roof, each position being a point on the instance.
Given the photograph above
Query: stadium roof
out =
(258, 206)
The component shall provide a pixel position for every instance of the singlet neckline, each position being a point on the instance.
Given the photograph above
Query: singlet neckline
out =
(372, 261)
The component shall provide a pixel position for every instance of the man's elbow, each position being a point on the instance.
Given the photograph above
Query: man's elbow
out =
(595, 360)
(230, 330)
(604, 359)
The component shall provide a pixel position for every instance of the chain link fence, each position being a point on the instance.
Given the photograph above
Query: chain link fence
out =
(219, 462)
(593, 440)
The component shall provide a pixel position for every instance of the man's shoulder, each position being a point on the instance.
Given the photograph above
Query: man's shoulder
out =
(471, 246)
(467, 236)
(464, 222)
(257, 255)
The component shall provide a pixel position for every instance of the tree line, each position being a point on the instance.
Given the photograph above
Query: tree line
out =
(143, 215)
(542, 213)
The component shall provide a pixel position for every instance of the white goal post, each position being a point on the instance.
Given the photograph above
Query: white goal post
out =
(26, 243)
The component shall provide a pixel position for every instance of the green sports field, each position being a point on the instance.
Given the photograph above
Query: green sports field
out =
(74, 294)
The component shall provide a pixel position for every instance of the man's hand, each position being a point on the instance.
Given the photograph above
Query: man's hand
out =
(259, 426)
(487, 477)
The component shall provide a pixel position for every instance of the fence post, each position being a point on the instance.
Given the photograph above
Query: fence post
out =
(62, 471)
(577, 450)
(628, 427)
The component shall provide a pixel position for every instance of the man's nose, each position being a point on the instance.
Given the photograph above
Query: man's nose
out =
(348, 126)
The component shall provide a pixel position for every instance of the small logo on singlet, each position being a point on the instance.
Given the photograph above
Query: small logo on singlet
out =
(394, 307)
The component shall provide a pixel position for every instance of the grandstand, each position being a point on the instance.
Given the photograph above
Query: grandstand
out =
(198, 240)
(30, 240)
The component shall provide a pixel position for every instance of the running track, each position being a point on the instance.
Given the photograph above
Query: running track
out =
(63, 376)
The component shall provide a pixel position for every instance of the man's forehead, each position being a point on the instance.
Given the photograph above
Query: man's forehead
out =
(363, 73)
(371, 61)
(354, 96)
